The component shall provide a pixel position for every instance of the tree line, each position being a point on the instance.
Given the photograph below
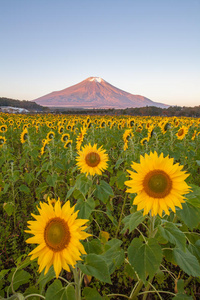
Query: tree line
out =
(179, 111)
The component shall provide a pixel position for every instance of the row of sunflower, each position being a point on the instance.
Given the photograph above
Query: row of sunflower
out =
(126, 178)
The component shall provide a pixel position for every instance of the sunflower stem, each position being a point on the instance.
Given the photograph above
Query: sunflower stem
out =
(152, 232)
(77, 279)
(120, 219)
(136, 290)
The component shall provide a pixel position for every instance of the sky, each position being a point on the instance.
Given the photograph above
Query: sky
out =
(144, 47)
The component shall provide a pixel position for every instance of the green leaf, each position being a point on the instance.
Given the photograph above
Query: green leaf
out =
(121, 178)
(132, 221)
(56, 291)
(180, 285)
(91, 294)
(28, 177)
(171, 233)
(195, 250)
(44, 279)
(187, 262)
(160, 277)
(5, 188)
(182, 297)
(119, 162)
(32, 290)
(85, 208)
(95, 266)
(114, 255)
(145, 257)
(194, 196)
(130, 272)
(24, 188)
(83, 184)
(190, 215)
(70, 192)
(70, 292)
(103, 191)
(21, 277)
(51, 179)
(94, 246)
(3, 273)
(110, 216)
(9, 208)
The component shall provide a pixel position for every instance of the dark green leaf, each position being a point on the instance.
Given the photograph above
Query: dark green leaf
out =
(94, 246)
(9, 208)
(56, 291)
(85, 208)
(51, 179)
(171, 233)
(187, 262)
(83, 184)
(44, 279)
(132, 221)
(24, 188)
(145, 257)
(190, 215)
(91, 294)
(28, 177)
(95, 266)
(21, 277)
(103, 191)
(3, 273)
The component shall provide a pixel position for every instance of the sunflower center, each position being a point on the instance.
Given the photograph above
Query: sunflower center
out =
(180, 132)
(56, 234)
(157, 184)
(92, 159)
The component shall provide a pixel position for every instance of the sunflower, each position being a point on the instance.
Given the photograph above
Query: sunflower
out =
(3, 128)
(193, 135)
(45, 142)
(24, 135)
(60, 129)
(68, 144)
(65, 137)
(92, 160)
(50, 135)
(80, 138)
(145, 140)
(182, 132)
(2, 141)
(159, 184)
(128, 134)
(58, 232)
(165, 126)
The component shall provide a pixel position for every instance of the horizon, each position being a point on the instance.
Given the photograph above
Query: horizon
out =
(147, 48)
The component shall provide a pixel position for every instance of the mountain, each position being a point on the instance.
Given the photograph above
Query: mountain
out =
(94, 92)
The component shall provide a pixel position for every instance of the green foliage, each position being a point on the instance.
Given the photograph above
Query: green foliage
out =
(126, 250)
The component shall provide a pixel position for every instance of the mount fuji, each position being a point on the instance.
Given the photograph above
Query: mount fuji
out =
(94, 92)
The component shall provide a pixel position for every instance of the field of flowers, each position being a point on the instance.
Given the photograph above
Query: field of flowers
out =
(99, 207)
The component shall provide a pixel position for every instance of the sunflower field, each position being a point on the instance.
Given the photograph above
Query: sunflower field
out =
(99, 207)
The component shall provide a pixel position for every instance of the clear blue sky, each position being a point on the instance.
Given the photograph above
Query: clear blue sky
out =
(145, 47)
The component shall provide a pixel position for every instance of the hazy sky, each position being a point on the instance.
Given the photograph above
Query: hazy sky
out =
(144, 47)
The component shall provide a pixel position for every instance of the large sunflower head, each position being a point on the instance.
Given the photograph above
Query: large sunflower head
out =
(58, 232)
(159, 184)
(92, 160)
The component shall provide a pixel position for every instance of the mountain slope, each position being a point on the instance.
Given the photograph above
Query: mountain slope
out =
(94, 92)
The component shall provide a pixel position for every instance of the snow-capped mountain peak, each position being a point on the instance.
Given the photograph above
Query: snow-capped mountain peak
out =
(96, 79)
